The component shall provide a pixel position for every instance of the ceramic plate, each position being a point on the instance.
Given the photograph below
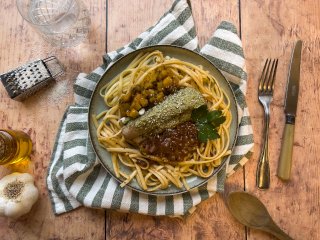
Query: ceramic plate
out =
(97, 105)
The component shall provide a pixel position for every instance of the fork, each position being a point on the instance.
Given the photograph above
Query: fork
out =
(265, 94)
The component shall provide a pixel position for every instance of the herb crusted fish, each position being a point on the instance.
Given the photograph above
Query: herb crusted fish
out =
(175, 109)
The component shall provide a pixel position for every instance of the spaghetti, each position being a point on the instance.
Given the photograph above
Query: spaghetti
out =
(152, 172)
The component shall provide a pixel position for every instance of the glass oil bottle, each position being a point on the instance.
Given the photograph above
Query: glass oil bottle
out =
(15, 146)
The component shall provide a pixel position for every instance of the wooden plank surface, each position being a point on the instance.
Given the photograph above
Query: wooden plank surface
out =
(269, 29)
(40, 116)
(211, 220)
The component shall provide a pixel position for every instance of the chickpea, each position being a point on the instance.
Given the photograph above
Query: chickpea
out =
(160, 97)
(150, 77)
(144, 102)
(148, 85)
(160, 86)
(133, 113)
(152, 100)
(163, 74)
(126, 97)
(137, 97)
(136, 105)
(151, 92)
(124, 107)
(167, 82)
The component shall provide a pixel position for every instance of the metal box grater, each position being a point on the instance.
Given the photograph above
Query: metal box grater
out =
(25, 80)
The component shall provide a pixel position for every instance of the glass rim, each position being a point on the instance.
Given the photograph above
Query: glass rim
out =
(36, 24)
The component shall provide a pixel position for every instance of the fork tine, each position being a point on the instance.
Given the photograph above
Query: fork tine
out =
(267, 77)
(268, 85)
(274, 75)
(264, 74)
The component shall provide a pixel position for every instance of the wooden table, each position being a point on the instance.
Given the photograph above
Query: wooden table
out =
(268, 29)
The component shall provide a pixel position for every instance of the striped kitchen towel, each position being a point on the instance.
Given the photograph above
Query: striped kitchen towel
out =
(75, 176)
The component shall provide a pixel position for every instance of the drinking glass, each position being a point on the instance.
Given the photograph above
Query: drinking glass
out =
(63, 23)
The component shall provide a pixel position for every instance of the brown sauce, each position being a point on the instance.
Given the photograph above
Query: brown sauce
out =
(173, 144)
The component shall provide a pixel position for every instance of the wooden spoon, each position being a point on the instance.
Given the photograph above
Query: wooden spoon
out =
(251, 212)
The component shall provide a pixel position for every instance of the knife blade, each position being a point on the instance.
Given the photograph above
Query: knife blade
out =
(291, 102)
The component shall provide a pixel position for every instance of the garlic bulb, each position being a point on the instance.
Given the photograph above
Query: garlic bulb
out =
(17, 194)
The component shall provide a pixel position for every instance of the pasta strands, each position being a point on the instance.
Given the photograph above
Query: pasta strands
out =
(151, 172)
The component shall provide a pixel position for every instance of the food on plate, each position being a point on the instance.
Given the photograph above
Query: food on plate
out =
(173, 144)
(175, 109)
(165, 120)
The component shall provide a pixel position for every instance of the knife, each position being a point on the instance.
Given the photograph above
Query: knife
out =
(291, 100)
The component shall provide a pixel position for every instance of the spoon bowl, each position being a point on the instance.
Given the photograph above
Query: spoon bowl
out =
(251, 212)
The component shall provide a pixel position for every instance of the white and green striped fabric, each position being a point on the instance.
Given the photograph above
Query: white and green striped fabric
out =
(75, 176)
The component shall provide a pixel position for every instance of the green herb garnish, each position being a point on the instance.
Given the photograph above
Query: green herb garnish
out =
(207, 122)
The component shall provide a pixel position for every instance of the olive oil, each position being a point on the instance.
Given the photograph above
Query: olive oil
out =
(15, 146)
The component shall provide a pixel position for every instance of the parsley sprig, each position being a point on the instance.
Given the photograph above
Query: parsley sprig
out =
(207, 123)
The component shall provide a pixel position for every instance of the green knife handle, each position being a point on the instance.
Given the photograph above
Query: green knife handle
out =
(285, 161)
